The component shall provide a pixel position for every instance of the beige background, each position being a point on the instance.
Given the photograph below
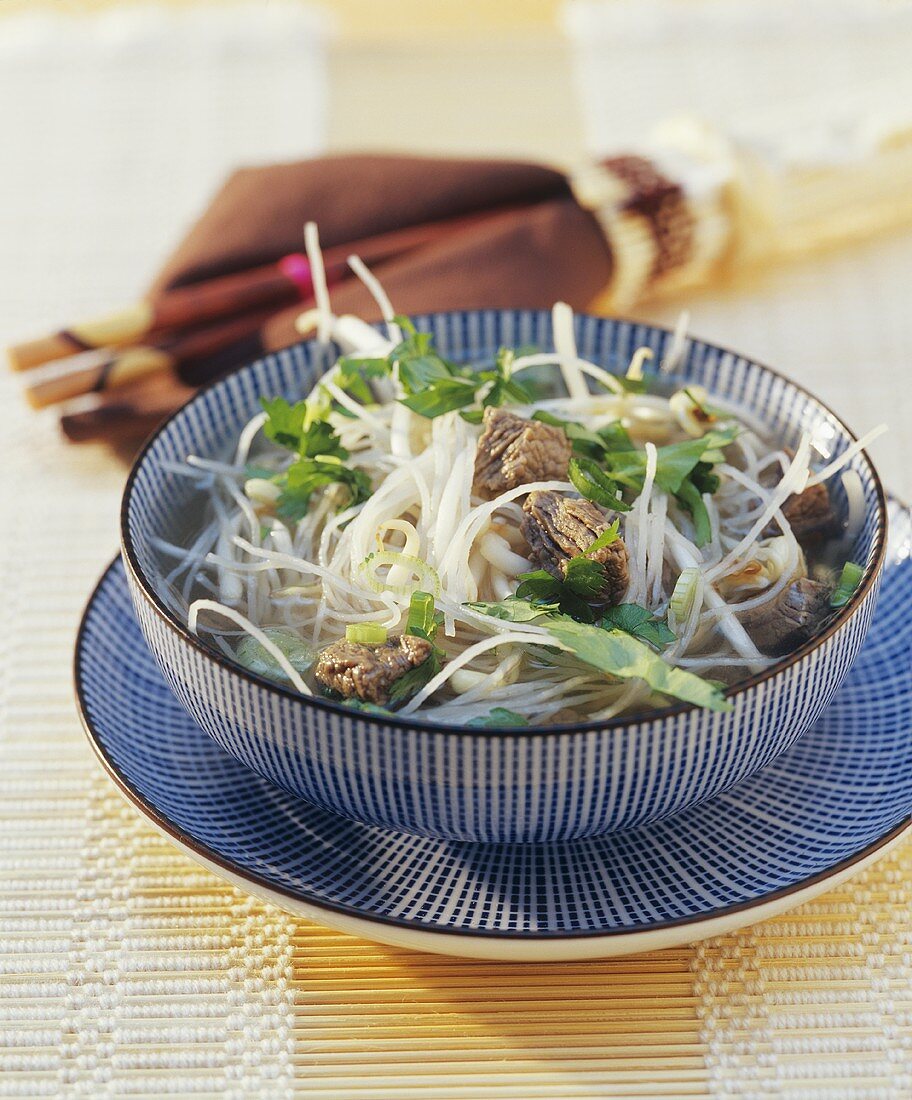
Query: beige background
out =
(125, 969)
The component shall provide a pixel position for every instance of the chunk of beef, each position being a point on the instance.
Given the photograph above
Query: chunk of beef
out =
(558, 528)
(368, 672)
(810, 515)
(513, 451)
(791, 619)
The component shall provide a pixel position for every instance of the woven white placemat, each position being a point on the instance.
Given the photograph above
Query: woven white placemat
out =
(123, 968)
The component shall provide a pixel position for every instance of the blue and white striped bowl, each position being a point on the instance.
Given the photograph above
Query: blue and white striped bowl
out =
(545, 784)
(838, 799)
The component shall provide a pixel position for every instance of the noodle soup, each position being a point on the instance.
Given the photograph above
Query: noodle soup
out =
(524, 541)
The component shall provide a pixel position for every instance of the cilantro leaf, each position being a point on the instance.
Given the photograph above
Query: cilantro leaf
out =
(497, 718)
(640, 622)
(584, 577)
(606, 538)
(546, 591)
(309, 474)
(673, 462)
(284, 422)
(615, 653)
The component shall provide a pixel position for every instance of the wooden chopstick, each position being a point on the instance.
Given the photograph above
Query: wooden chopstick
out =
(273, 285)
(109, 368)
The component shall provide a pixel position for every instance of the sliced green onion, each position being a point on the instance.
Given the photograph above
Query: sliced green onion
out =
(366, 633)
(685, 591)
(422, 620)
(426, 577)
(849, 580)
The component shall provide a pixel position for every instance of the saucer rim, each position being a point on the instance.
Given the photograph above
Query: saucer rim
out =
(329, 912)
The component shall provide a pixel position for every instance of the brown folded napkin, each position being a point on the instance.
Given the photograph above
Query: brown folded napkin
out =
(439, 233)
(523, 240)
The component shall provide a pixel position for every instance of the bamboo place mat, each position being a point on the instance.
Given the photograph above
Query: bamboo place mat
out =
(127, 970)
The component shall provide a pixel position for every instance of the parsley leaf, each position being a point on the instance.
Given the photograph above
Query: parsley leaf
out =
(615, 437)
(514, 609)
(432, 385)
(320, 461)
(640, 622)
(497, 718)
(351, 375)
(704, 479)
(359, 704)
(674, 461)
(253, 655)
(504, 388)
(584, 580)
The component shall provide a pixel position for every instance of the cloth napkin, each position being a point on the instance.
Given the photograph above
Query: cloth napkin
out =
(530, 244)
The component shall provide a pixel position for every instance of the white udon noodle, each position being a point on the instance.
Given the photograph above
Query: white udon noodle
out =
(309, 577)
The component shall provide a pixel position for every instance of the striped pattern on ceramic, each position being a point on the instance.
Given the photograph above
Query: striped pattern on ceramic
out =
(843, 787)
(489, 786)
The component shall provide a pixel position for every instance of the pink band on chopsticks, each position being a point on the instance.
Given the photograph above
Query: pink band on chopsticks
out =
(297, 268)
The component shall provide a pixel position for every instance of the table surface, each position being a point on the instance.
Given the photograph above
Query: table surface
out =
(129, 970)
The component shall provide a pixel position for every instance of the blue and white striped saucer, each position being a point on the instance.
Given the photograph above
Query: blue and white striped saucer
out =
(819, 813)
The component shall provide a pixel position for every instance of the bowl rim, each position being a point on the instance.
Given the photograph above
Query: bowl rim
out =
(870, 577)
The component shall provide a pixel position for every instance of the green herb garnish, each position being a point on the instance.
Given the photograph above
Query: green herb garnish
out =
(254, 656)
(415, 679)
(640, 622)
(433, 385)
(321, 458)
(614, 652)
(497, 718)
(591, 481)
(308, 474)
